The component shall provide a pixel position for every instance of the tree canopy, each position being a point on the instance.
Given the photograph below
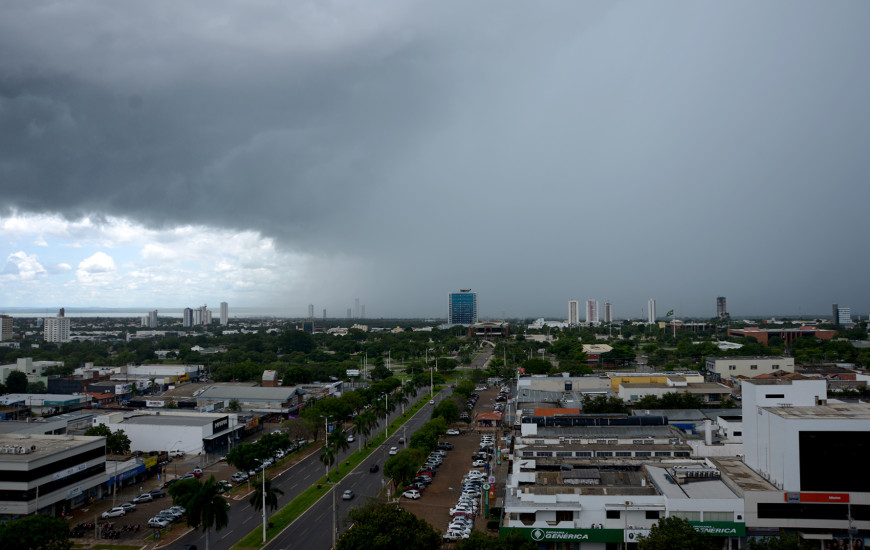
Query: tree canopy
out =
(384, 526)
(673, 532)
(37, 532)
(117, 442)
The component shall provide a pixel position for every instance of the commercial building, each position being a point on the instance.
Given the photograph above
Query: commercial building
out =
(225, 313)
(591, 312)
(842, 316)
(282, 399)
(787, 335)
(188, 431)
(489, 329)
(462, 308)
(725, 369)
(5, 328)
(56, 329)
(573, 312)
(721, 309)
(187, 318)
(49, 474)
(651, 311)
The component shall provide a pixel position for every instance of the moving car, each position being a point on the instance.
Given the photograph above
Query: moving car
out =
(197, 472)
(144, 497)
(348, 494)
(394, 450)
(374, 468)
(412, 494)
(350, 438)
(115, 512)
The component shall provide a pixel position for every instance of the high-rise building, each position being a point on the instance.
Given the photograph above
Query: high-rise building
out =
(462, 307)
(152, 319)
(651, 311)
(311, 311)
(5, 328)
(324, 314)
(187, 318)
(225, 313)
(348, 313)
(362, 311)
(842, 315)
(206, 317)
(56, 329)
(608, 312)
(573, 312)
(721, 310)
(591, 312)
(355, 308)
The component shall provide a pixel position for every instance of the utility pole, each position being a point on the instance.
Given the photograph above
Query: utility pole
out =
(264, 505)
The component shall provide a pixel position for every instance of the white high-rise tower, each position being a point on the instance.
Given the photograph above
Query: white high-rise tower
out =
(651, 311)
(608, 312)
(591, 312)
(573, 312)
(225, 313)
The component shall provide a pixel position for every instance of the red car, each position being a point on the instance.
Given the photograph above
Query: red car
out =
(197, 473)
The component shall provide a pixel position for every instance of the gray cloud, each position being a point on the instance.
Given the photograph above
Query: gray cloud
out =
(536, 153)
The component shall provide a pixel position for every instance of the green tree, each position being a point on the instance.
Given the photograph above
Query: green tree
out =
(116, 442)
(402, 466)
(673, 532)
(446, 409)
(383, 526)
(536, 365)
(234, 405)
(478, 540)
(783, 541)
(271, 493)
(206, 508)
(16, 382)
(37, 532)
(36, 387)
(327, 457)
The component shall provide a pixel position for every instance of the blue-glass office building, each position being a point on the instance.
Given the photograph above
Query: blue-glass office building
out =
(462, 308)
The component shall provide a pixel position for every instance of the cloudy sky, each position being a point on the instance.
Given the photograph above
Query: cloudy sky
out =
(276, 154)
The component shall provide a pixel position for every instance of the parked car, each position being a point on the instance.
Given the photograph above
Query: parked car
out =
(188, 475)
(239, 477)
(144, 497)
(157, 493)
(115, 512)
(128, 507)
(348, 494)
(350, 438)
(452, 431)
(197, 472)
(158, 523)
(176, 453)
(479, 463)
(412, 494)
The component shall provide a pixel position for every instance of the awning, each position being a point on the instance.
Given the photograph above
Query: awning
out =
(220, 434)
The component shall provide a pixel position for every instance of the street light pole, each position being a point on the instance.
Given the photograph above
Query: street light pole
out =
(264, 505)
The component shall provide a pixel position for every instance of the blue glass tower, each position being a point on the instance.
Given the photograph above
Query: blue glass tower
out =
(462, 308)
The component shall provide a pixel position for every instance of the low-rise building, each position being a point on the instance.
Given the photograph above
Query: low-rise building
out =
(723, 369)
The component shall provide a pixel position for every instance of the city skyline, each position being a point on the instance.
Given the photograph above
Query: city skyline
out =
(175, 168)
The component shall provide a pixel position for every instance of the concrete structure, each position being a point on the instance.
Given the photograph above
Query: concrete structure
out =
(187, 318)
(225, 313)
(591, 312)
(651, 311)
(573, 312)
(270, 379)
(721, 307)
(788, 335)
(721, 369)
(164, 430)
(56, 329)
(49, 473)
(462, 308)
(5, 328)
(489, 329)
(33, 369)
(362, 311)
(284, 399)
(608, 312)
(45, 404)
(842, 316)
(355, 308)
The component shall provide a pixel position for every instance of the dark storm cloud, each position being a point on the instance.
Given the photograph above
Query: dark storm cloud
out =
(537, 153)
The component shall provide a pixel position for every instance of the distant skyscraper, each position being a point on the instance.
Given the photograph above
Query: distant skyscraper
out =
(225, 313)
(608, 312)
(311, 311)
(462, 307)
(362, 311)
(591, 312)
(56, 329)
(573, 312)
(150, 320)
(187, 318)
(324, 314)
(651, 311)
(348, 313)
(355, 308)
(721, 310)
(842, 315)
(5, 327)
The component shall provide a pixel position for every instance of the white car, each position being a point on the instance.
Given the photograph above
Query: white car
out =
(348, 494)
(158, 523)
(413, 494)
(452, 431)
(350, 438)
(116, 512)
(478, 463)
(455, 535)
(394, 450)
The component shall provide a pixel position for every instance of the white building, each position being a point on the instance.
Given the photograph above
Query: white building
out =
(573, 312)
(591, 312)
(187, 318)
(225, 313)
(651, 311)
(56, 329)
(164, 430)
(726, 368)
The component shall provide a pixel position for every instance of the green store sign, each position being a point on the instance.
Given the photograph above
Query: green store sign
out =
(567, 535)
(720, 528)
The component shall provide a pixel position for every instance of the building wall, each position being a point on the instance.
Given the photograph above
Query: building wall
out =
(573, 312)
(462, 308)
(5, 327)
(56, 329)
(724, 368)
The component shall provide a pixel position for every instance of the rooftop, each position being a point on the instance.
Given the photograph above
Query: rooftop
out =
(838, 411)
(169, 420)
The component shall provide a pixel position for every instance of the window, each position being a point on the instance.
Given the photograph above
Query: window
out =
(688, 516)
(528, 454)
(545, 453)
(718, 516)
(527, 518)
(613, 514)
(583, 454)
(774, 367)
(681, 454)
(563, 453)
(604, 453)
(640, 454)
(623, 453)
(564, 515)
(732, 367)
(775, 396)
(652, 514)
(753, 367)
(737, 434)
(663, 453)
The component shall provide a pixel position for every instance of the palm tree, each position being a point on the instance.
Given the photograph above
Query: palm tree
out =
(271, 493)
(327, 456)
(338, 441)
(370, 421)
(360, 428)
(203, 504)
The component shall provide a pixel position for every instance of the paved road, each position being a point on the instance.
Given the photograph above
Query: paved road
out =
(312, 529)
(244, 518)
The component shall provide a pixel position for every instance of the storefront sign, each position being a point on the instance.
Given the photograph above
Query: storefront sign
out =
(352, 372)
(569, 535)
(633, 535)
(220, 424)
(720, 528)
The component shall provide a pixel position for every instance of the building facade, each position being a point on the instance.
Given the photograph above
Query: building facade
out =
(651, 311)
(462, 308)
(608, 312)
(724, 368)
(56, 329)
(591, 312)
(721, 309)
(187, 318)
(573, 312)
(225, 313)
(5, 328)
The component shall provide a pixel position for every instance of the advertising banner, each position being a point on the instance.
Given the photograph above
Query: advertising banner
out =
(568, 535)
(720, 528)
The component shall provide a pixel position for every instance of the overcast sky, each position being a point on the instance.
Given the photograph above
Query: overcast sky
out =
(276, 154)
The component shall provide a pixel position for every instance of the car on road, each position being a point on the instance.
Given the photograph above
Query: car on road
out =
(176, 454)
(452, 431)
(115, 512)
(188, 475)
(157, 493)
(144, 497)
(128, 507)
(412, 494)
(350, 438)
(374, 468)
(197, 472)
(394, 450)
(445, 446)
(347, 495)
